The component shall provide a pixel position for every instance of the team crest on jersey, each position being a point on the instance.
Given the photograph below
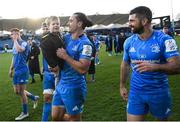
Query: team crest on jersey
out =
(170, 45)
(75, 48)
(87, 50)
(155, 48)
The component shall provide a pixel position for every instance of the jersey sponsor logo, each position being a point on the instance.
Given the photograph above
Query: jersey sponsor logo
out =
(155, 48)
(132, 50)
(150, 61)
(174, 53)
(170, 45)
(75, 108)
(87, 50)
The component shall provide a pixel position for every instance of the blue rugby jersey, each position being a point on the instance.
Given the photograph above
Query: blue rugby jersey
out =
(156, 49)
(20, 58)
(76, 49)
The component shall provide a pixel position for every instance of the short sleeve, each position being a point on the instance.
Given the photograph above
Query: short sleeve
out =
(126, 51)
(86, 51)
(23, 45)
(171, 48)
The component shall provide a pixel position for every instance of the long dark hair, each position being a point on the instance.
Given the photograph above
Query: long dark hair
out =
(84, 19)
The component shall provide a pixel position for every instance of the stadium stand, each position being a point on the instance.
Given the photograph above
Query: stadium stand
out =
(32, 24)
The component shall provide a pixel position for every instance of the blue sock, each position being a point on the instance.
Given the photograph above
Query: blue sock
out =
(31, 96)
(46, 111)
(24, 107)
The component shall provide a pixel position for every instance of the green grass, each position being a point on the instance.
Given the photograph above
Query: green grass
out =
(103, 100)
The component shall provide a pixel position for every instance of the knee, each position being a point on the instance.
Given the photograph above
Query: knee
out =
(21, 93)
(17, 92)
(57, 113)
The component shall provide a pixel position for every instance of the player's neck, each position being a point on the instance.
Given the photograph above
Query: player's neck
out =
(76, 34)
(146, 34)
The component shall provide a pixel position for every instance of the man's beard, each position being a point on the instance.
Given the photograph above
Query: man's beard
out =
(138, 30)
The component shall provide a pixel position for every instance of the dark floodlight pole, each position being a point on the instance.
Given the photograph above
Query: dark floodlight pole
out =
(1, 22)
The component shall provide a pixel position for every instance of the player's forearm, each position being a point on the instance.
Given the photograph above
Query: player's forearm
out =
(124, 72)
(80, 67)
(11, 67)
(17, 46)
(169, 68)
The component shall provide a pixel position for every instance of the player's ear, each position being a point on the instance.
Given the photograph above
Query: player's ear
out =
(144, 21)
(80, 24)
